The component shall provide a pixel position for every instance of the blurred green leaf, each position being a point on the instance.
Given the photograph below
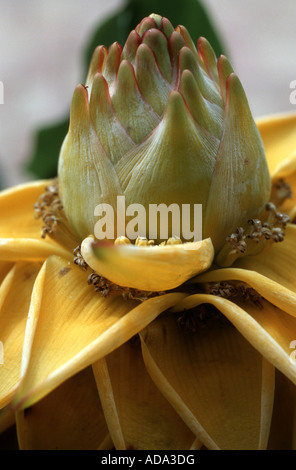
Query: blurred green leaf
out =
(190, 13)
(48, 141)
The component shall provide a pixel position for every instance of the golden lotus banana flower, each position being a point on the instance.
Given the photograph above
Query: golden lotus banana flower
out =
(163, 122)
(158, 343)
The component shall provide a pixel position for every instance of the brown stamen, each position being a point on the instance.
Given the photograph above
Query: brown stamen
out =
(232, 290)
(106, 287)
(204, 316)
(270, 229)
(78, 258)
(48, 208)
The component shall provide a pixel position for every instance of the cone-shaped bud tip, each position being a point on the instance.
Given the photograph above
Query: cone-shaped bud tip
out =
(162, 121)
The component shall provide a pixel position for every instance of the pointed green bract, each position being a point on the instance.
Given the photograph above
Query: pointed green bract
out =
(96, 65)
(158, 44)
(179, 151)
(156, 90)
(136, 114)
(109, 129)
(209, 58)
(86, 174)
(240, 186)
(207, 114)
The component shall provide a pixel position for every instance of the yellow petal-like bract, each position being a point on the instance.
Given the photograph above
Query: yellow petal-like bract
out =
(151, 268)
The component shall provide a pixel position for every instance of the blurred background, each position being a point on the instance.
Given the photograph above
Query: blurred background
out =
(43, 46)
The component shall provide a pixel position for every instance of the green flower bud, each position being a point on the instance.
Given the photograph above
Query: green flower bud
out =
(163, 122)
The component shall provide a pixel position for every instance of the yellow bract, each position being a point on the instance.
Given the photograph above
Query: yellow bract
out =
(150, 268)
